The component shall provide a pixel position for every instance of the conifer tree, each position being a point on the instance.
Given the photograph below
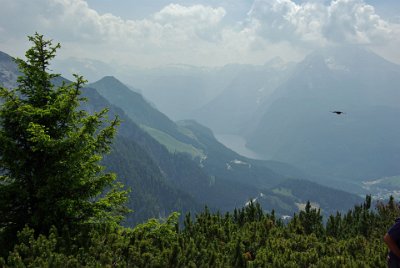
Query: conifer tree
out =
(50, 152)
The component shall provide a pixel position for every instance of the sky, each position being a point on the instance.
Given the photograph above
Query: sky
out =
(201, 33)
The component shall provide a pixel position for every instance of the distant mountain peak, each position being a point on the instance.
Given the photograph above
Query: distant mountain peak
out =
(109, 78)
(111, 83)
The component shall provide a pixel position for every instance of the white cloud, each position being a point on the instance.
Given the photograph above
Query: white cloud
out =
(354, 21)
(74, 23)
(177, 14)
(195, 34)
(342, 21)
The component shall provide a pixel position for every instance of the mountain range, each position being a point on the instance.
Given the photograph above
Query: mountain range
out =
(180, 166)
(284, 110)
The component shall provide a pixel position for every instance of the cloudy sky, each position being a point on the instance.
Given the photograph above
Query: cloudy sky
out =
(207, 33)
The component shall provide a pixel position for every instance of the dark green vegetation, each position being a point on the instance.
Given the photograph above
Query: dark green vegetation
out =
(245, 238)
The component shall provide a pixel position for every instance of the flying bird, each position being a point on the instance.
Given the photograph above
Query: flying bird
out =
(338, 112)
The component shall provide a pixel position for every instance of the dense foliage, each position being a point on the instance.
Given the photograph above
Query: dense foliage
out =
(50, 153)
(248, 237)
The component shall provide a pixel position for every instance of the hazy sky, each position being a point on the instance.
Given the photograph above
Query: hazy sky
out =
(209, 33)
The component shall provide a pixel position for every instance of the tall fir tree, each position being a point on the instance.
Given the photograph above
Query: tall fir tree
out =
(50, 152)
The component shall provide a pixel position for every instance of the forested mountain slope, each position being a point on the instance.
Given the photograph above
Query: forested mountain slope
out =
(144, 165)
(232, 178)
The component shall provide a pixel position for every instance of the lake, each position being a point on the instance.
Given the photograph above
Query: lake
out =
(238, 144)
